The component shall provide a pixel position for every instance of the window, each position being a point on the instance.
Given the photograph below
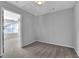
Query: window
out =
(11, 27)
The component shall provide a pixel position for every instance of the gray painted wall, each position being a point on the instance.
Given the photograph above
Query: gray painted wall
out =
(76, 30)
(56, 28)
(26, 28)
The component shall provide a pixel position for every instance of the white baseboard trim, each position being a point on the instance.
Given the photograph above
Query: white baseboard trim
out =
(28, 44)
(57, 44)
(46, 42)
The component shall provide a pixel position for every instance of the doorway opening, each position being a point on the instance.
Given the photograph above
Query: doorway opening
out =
(11, 31)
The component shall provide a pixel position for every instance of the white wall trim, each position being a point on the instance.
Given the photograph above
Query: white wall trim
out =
(27, 44)
(57, 44)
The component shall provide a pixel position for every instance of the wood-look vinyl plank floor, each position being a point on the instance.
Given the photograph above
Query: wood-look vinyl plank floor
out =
(36, 50)
(45, 50)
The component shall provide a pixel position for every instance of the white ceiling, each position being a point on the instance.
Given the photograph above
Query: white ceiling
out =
(47, 7)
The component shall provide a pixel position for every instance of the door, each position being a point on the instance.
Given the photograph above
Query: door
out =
(2, 12)
(2, 31)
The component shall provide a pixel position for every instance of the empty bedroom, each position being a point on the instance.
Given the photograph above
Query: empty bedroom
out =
(39, 29)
